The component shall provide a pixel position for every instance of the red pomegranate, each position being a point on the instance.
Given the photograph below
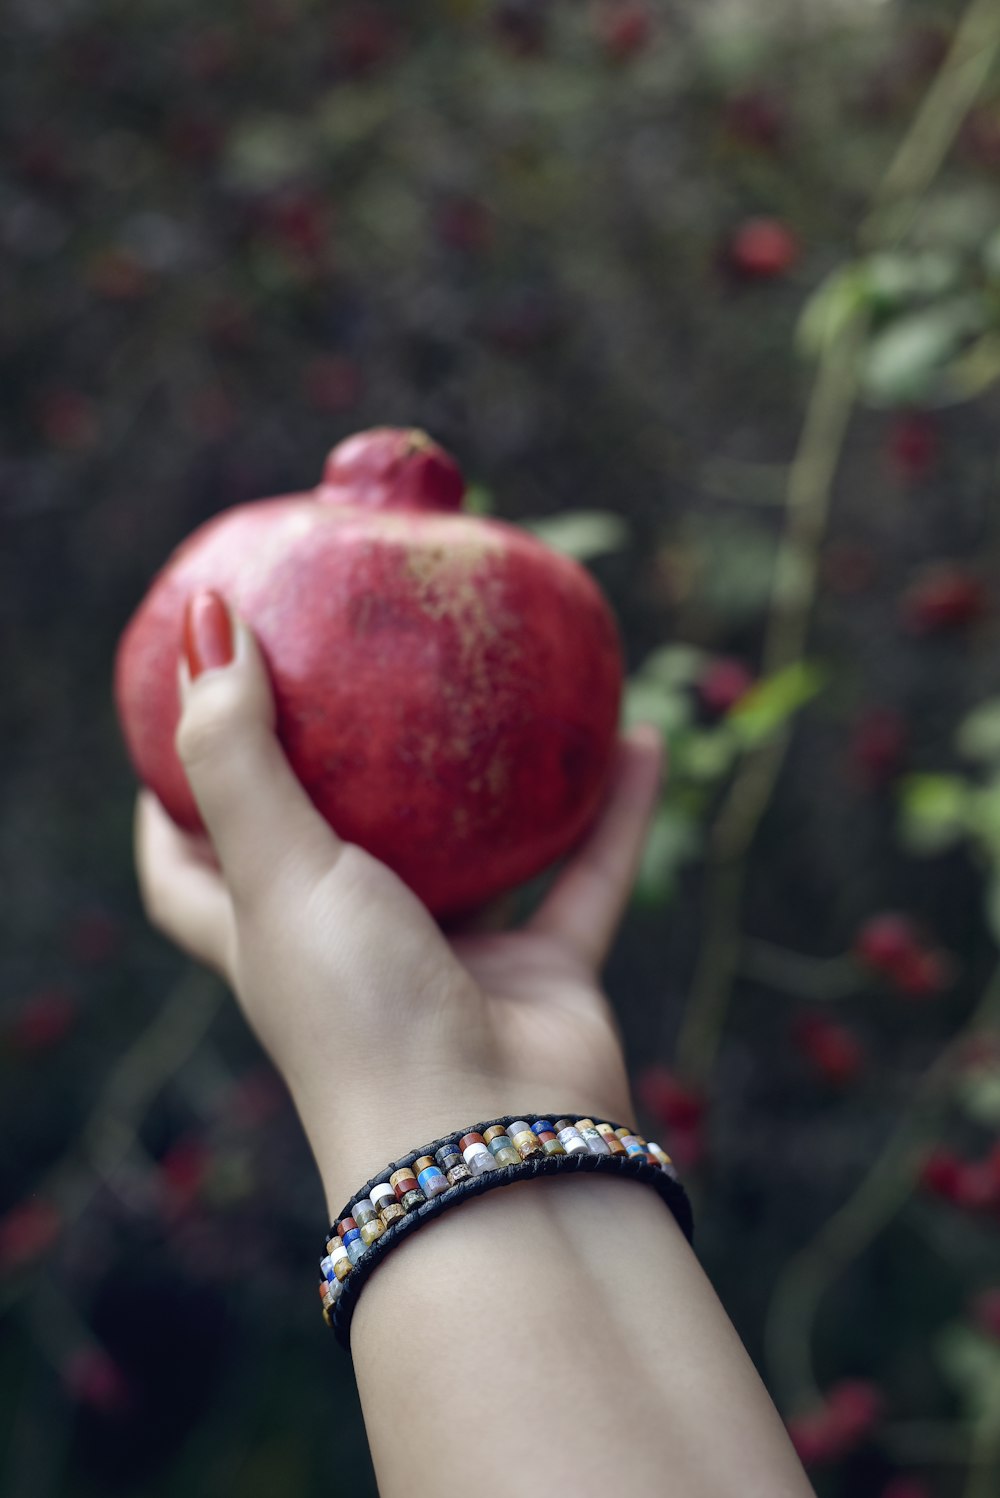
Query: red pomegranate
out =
(447, 687)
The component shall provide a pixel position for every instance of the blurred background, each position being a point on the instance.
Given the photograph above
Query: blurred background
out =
(708, 294)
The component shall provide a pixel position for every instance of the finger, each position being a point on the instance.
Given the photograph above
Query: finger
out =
(182, 890)
(585, 905)
(263, 826)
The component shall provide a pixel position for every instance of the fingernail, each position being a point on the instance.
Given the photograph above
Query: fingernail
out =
(208, 633)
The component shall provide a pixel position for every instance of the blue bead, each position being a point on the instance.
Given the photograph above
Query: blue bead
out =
(350, 1236)
(356, 1248)
(541, 1125)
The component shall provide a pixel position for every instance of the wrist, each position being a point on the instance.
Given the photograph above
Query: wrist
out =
(354, 1144)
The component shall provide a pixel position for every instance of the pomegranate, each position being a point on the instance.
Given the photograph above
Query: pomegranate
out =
(447, 687)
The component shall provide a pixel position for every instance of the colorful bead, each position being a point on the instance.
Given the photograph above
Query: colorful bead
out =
(524, 1139)
(413, 1199)
(500, 1146)
(475, 1153)
(592, 1138)
(372, 1231)
(341, 1259)
(570, 1138)
(384, 1198)
(614, 1144)
(453, 1165)
(351, 1237)
(545, 1132)
(631, 1143)
(403, 1180)
(664, 1159)
(430, 1177)
(330, 1291)
(363, 1211)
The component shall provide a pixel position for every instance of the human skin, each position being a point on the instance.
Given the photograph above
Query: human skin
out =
(551, 1337)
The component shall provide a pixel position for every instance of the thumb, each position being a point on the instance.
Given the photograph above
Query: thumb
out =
(263, 826)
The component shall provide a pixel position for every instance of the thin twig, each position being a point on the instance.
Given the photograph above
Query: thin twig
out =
(810, 482)
(874, 1203)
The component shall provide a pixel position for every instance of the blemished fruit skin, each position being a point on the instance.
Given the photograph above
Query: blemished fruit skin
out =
(447, 687)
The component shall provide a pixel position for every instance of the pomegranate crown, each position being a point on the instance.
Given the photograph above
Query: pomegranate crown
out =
(392, 468)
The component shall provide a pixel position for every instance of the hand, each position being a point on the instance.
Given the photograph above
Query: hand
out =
(387, 1033)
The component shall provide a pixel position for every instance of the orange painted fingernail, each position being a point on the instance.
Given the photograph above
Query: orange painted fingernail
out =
(208, 633)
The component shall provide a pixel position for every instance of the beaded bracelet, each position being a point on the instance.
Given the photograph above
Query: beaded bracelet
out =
(417, 1188)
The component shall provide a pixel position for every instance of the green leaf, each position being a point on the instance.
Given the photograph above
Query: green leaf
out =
(650, 702)
(582, 534)
(674, 665)
(979, 732)
(267, 152)
(770, 703)
(979, 1094)
(674, 840)
(905, 359)
(993, 907)
(982, 817)
(933, 812)
(991, 256)
(478, 500)
(893, 279)
(705, 754)
(971, 1361)
(834, 304)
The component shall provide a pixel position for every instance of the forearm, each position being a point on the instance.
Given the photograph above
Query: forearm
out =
(559, 1336)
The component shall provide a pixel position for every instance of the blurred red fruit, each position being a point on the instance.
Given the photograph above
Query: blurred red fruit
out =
(913, 446)
(624, 28)
(885, 941)
(723, 684)
(211, 412)
(229, 324)
(847, 1415)
(849, 567)
(367, 39)
(814, 1439)
(855, 1406)
(94, 1379)
(298, 222)
(835, 1053)
(68, 419)
(95, 936)
(977, 1187)
(667, 1099)
(183, 1170)
(986, 1312)
(980, 136)
(923, 974)
(905, 1487)
(520, 25)
(763, 249)
(941, 1173)
(686, 1144)
(257, 1098)
(26, 1232)
(878, 745)
(755, 119)
(210, 54)
(118, 276)
(466, 224)
(946, 598)
(192, 138)
(332, 383)
(43, 1019)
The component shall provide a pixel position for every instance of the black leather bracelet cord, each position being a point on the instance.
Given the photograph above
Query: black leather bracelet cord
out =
(638, 1163)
